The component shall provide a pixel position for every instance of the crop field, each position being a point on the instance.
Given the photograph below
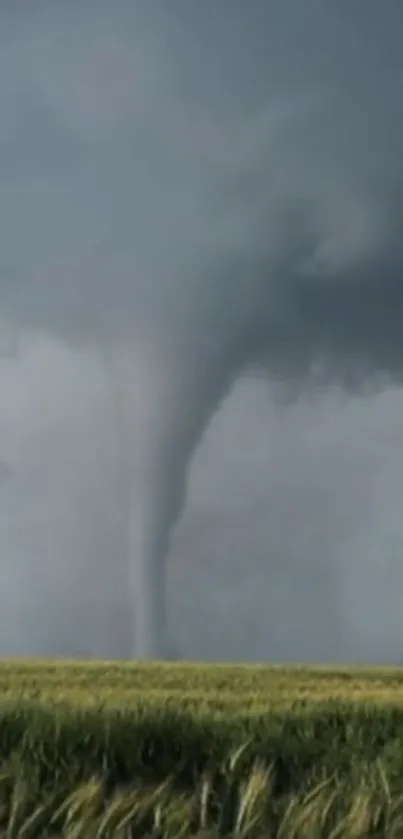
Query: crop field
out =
(116, 751)
(227, 689)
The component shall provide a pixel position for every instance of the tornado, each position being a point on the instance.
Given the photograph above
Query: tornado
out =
(201, 193)
(358, 341)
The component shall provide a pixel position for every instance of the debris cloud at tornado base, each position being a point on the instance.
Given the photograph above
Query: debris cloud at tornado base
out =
(196, 196)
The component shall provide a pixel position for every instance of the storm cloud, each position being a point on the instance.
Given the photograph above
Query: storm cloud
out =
(192, 194)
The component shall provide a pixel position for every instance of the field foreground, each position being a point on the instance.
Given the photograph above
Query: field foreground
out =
(167, 750)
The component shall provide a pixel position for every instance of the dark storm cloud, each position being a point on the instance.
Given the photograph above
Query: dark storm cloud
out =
(148, 153)
(191, 189)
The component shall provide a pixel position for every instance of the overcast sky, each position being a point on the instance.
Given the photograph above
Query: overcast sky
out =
(134, 147)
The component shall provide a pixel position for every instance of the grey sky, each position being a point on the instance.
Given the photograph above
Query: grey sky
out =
(290, 545)
(174, 175)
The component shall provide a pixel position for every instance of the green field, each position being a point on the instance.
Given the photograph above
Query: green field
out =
(229, 689)
(167, 750)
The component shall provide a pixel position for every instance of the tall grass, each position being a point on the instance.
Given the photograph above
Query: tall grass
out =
(159, 773)
(158, 767)
(226, 801)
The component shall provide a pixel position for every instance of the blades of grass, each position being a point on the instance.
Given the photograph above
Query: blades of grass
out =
(286, 826)
(254, 800)
(40, 816)
(18, 807)
(236, 756)
(384, 781)
(87, 798)
(120, 812)
(206, 792)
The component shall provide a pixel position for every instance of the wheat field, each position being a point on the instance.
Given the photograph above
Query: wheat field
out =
(107, 750)
(227, 688)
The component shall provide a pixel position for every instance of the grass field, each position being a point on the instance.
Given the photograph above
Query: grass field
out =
(167, 750)
(226, 688)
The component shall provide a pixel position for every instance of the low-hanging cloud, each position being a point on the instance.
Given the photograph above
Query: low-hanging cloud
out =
(189, 194)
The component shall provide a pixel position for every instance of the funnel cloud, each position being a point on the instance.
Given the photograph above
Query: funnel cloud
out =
(200, 207)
